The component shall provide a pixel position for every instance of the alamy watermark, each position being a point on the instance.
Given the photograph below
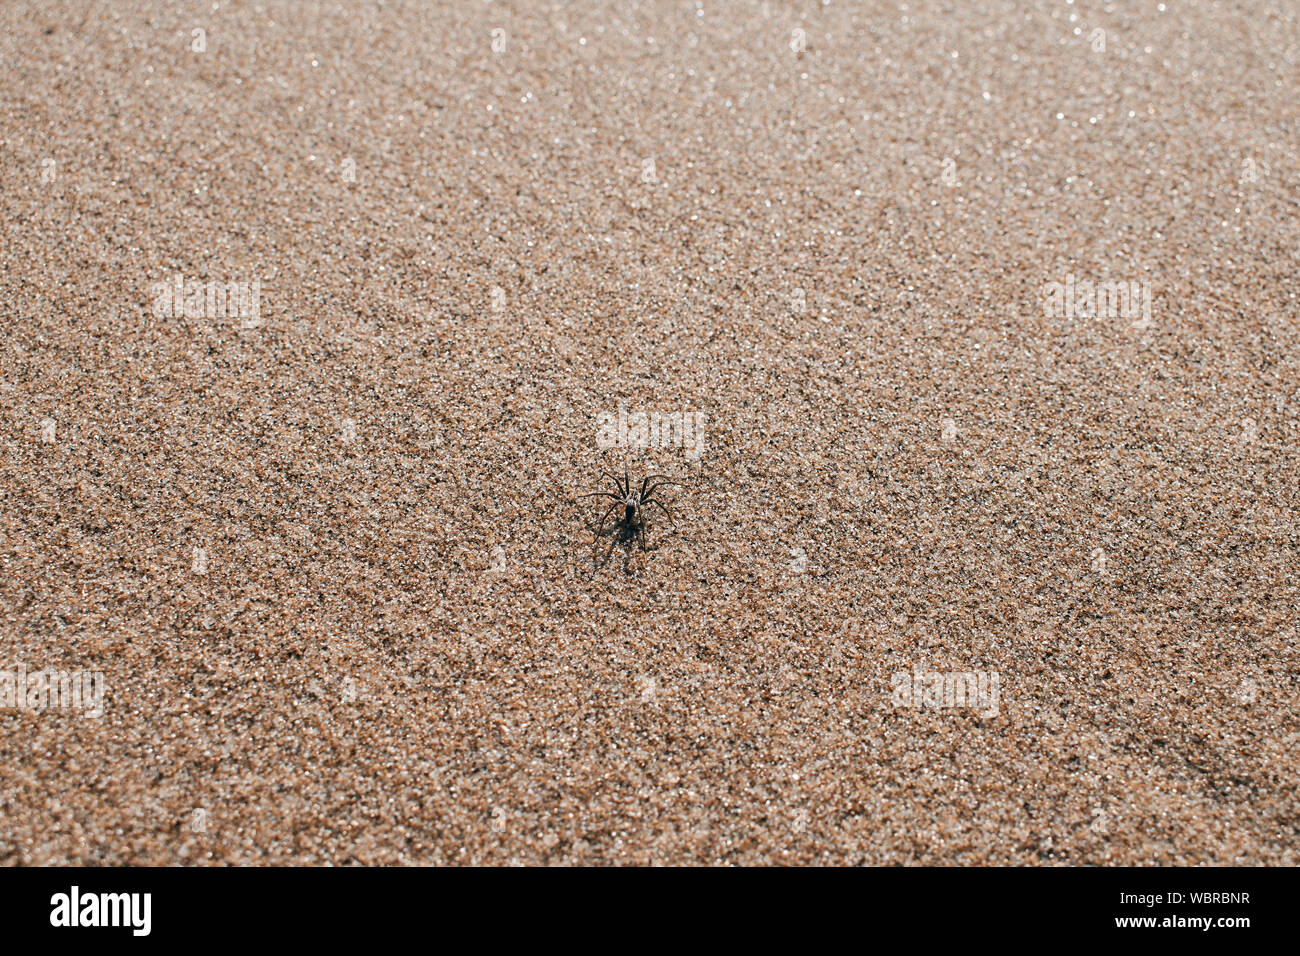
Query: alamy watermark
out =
(192, 299)
(974, 689)
(640, 429)
(46, 689)
(1085, 299)
(75, 908)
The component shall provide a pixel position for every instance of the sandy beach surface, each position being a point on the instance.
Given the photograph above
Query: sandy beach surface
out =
(317, 542)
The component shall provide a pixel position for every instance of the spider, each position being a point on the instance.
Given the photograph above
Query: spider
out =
(631, 525)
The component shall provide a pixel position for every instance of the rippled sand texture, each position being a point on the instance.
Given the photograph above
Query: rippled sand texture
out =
(328, 557)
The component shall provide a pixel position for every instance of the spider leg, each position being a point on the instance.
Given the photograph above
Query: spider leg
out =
(599, 494)
(601, 523)
(641, 493)
(656, 486)
(648, 489)
(614, 479)
(663, 508)
(645, 539)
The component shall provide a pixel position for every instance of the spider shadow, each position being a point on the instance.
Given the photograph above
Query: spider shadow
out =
(624, 534)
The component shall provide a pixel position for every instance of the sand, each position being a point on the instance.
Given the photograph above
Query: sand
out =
(328, 557)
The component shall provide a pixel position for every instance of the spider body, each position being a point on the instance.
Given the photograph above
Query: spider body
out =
(633, 505)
